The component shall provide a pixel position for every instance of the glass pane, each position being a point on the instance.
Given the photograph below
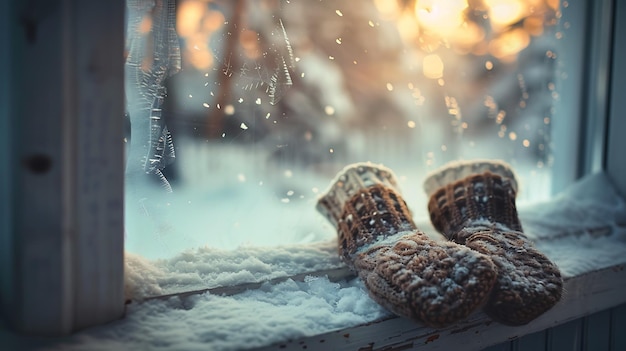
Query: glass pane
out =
(275, 97)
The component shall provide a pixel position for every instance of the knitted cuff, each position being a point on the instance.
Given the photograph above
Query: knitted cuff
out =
(364, 205)
(466, 193)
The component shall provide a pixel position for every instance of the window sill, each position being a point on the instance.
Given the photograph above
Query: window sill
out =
(585, 237)
(582, 230)
(584, 294)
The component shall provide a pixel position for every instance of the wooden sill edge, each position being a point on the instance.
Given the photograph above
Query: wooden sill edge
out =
(583, 295)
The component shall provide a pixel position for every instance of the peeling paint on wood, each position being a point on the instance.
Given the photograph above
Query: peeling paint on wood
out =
(432, 338)
(369, 347)
(466, 328)
(408, 346)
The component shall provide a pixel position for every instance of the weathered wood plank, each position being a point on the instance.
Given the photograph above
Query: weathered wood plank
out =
(508, 346)
(64, 133)
(597, 332)
(98, 245)
(42, 271)
(531, 342)
(565, 337)
(7, 258)
(618, 328)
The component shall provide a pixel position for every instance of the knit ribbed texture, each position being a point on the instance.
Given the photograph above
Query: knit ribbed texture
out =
(403, 270)
(484, 196)
(478, 210)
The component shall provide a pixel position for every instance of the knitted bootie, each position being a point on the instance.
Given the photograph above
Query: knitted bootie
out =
(403, 270)
(473, 203)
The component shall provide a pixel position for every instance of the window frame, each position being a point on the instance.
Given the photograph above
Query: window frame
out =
(62, 160)
(615, 158)
(79, 267)
(580, 95)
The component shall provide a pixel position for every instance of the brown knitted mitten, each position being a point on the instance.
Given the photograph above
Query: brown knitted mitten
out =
(473, 203)
(403, 270)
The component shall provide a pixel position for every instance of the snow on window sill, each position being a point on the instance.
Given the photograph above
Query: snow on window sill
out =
(584, 294)
(576, 229)
(582, 230)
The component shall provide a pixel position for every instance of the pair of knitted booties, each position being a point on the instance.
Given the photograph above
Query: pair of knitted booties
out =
(488, 262)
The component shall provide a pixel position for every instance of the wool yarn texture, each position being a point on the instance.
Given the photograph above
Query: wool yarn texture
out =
(472, 203)
(403, 269)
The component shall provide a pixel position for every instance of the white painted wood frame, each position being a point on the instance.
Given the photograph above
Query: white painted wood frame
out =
(61, 164)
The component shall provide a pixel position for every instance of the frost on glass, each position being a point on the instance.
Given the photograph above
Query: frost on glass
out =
(153, 55)
(273, 98)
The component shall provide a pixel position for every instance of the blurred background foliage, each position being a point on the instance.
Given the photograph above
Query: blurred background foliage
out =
(442, 79)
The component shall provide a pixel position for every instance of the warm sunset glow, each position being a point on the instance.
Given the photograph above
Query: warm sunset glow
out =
(441, 16)
(503, 13)
(469, 35)
(198, 51)
(506, 46)
(190, 14)
(146, 25)
(213, 20)
(433, 66)
(388, 10)
(498, 27)
(249, 40)
(534, 25)
(408, 27)
(554, 4)
(195, 24)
